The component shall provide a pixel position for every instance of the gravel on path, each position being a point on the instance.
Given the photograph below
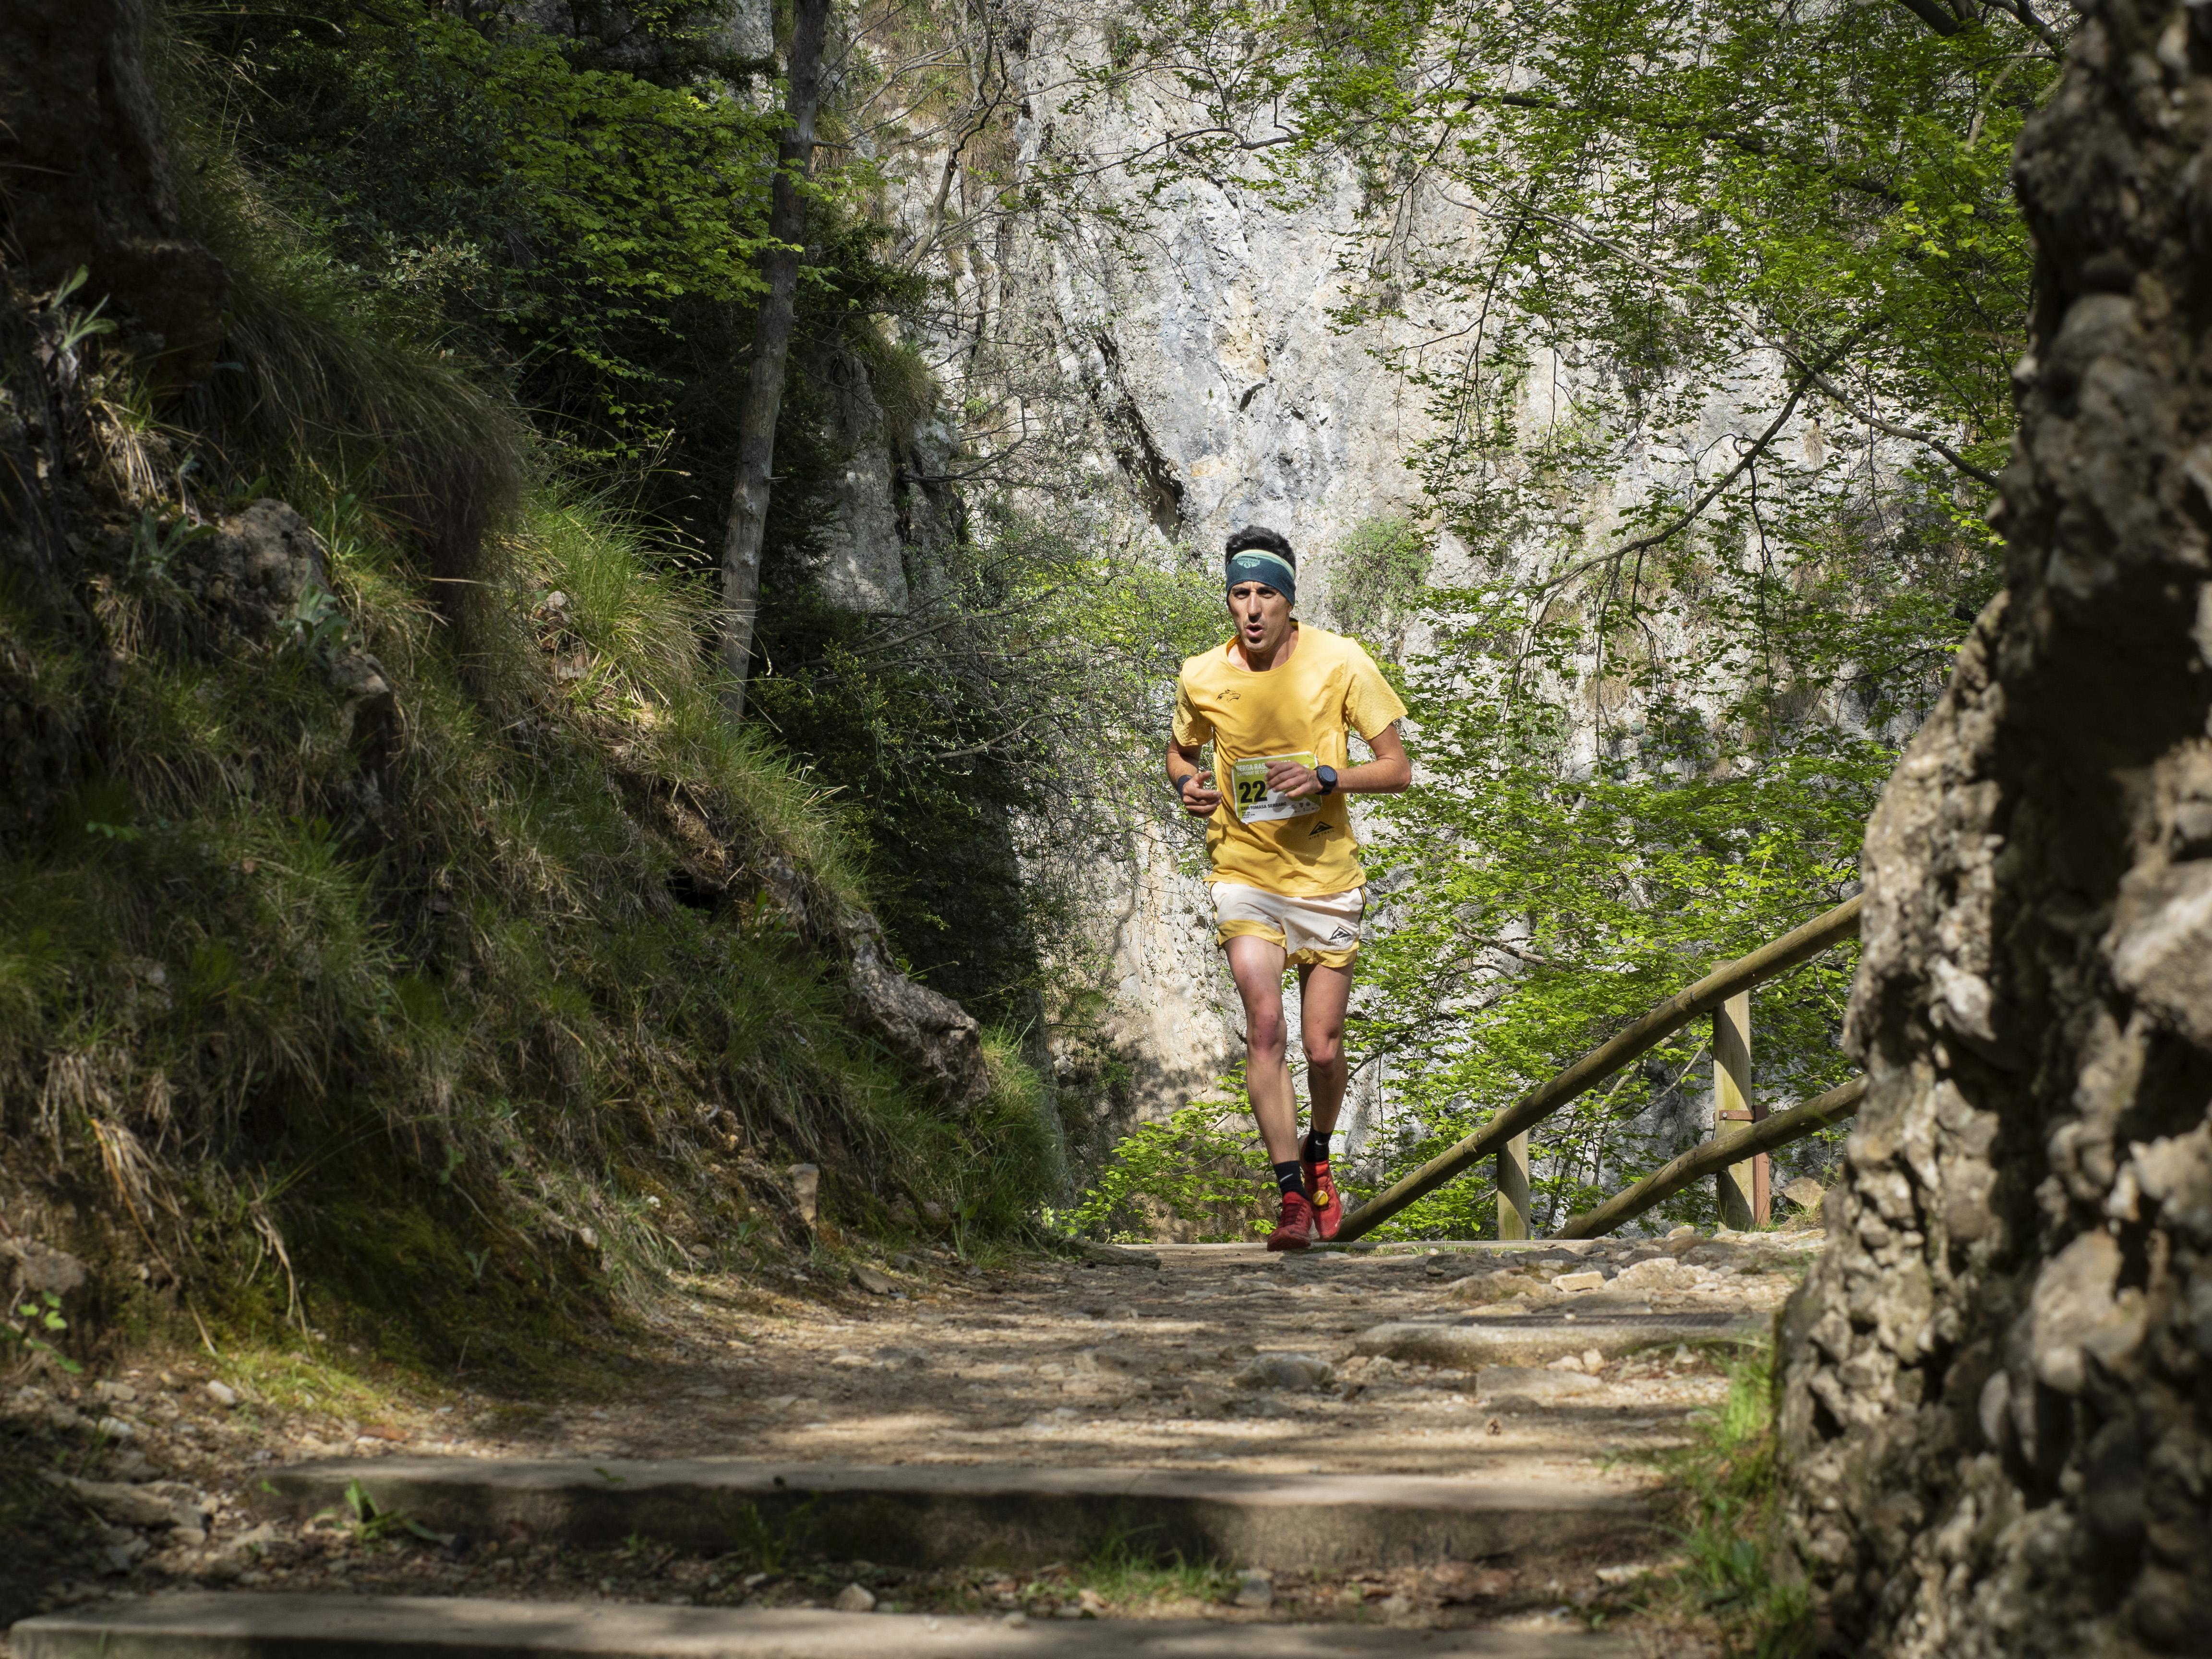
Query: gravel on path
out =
(1188, 1358)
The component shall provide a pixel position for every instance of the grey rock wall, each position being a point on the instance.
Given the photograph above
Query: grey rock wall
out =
(864, 564)
(1998, 1398)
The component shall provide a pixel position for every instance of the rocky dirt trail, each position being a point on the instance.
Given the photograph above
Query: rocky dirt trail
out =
(1160, 1450)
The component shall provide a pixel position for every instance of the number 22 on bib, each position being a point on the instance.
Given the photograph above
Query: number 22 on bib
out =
(1257, 802)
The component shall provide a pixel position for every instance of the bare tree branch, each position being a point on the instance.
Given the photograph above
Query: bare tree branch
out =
(1937, 19)
(2024, 14)
(1757, 447)
(1828, 388)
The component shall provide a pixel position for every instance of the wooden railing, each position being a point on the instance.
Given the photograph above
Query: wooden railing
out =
(1738, 1154)
(1716, 1156)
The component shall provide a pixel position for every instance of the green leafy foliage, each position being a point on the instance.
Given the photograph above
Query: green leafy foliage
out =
(373, 1522)
(32, 1327)
(1019, 688)
(1563, 868)
(1377, 579)
(1668, 187)
(1195, 1167)
(575, 213)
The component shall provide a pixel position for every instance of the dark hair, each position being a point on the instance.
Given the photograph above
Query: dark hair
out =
(1260, 536)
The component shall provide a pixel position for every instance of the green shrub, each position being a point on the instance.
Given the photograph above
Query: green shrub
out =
(1194, 1168)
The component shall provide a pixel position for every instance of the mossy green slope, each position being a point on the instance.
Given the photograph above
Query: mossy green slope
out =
(425, 957)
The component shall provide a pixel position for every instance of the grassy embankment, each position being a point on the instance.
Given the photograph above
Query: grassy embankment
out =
(427, 1029)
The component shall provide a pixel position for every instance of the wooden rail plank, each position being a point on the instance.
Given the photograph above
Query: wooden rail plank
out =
(1800, 945)
(1662, 1183)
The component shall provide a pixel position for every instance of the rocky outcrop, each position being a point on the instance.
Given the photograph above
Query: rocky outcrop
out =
(1996, 1419)
(926, 1029)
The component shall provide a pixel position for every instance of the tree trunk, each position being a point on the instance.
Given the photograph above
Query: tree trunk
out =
(85, 181)
(787, 221)
(1997, 1390)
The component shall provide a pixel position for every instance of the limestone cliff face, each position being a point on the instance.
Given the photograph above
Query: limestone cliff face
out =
(1177, 370)
(1175, 365)
(1995, 1402)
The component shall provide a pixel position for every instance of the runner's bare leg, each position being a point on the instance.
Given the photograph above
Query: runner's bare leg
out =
(1256, 964)
(1323, 995)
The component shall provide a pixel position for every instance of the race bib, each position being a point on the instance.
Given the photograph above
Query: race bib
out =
(1255, 802)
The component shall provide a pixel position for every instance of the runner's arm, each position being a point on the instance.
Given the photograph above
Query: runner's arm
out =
(1192, 781)
(1389, 774)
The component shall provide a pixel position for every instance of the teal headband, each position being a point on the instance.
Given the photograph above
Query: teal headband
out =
(1256, 564)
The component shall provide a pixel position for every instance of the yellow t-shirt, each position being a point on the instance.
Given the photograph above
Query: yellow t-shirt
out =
(1301, 709)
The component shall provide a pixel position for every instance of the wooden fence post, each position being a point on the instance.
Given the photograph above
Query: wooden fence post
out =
(1732, 1106)
(1513, 1187)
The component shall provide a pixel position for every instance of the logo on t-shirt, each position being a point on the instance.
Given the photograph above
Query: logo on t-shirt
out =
(1321, 826)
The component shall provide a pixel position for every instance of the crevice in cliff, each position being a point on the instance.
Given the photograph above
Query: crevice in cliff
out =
(1159, 490)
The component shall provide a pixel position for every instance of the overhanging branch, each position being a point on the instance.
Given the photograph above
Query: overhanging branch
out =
(1827, 388)
(1643, 544)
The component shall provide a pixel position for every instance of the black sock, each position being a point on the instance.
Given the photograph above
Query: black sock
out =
(1316, 1146)
(1291, 1178)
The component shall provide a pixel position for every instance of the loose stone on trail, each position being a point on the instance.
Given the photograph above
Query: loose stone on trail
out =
(1806, 1194)
(1516, 1384)
(1255, 1589)
(1285, 1371)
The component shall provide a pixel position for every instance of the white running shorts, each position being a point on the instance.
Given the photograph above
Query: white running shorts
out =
(1325, 930)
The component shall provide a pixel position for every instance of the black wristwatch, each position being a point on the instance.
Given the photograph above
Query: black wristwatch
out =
(1328, 777)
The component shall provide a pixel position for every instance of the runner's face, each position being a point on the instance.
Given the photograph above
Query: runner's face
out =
(1263, 615)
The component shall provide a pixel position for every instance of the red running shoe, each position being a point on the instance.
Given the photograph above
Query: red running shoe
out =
(1295, 1231)
(1320, 1192)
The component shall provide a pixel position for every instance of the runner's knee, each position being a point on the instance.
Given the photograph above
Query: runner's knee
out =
(1325, 1049)
(1264, 1032)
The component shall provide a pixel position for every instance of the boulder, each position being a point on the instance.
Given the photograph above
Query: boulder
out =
(928, 1029)
(39, 1269)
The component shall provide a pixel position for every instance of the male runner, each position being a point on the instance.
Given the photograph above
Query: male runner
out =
(1276, 701)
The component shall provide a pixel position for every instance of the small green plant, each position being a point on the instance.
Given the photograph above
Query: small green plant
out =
(1739, 1571)
(318, 624)
(1379, 576)
(371, 1523)
(760, 1545)
(78, 326)
(34, 1314)
(156, 541)
(1123, 1569)
(1195, 1164)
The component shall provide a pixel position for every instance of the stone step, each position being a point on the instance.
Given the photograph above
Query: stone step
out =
(1538, 1338)
(286, 1626)
(948, 1515)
